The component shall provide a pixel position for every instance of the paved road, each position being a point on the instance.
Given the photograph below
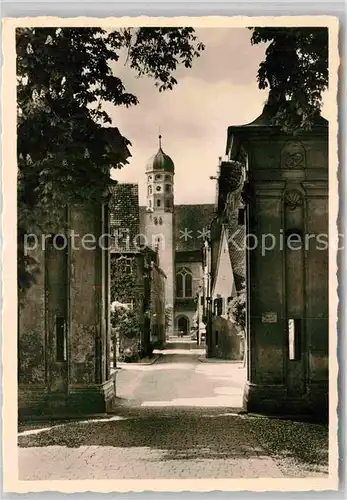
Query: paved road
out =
(178, 378)
(175, 420)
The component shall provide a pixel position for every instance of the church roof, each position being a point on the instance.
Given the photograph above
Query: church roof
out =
(160, 161)
(190, 222)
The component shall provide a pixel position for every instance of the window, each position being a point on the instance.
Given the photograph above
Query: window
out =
(158, 188)
(157, 242)
(60, 328)
(155, 220)
(160, 220)
(241, 217)
(158, 203)
(149, 190)
(167, 178)
(150, 203)
(157, 177)
(184, 283)
(168, 203)
(125, 264)
(218, 306)
(168, 188)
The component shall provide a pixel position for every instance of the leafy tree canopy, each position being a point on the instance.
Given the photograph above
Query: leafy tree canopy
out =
(64, 76)
(295, 70)
(66, 148)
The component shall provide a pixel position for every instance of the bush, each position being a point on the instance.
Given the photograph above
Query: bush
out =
(125, 320)
(237, 310)
(168, 316)
(126, 327)
(131, 354)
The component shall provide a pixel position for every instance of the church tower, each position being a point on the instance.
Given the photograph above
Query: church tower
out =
(160, 172)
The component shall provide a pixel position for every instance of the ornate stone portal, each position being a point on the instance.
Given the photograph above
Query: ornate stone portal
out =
(287, 271)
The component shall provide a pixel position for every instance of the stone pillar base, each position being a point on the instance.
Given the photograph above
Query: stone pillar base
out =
(273, 400)
(92, 399)
(80, 400)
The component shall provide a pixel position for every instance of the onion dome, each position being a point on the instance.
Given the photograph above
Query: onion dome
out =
(160, 161)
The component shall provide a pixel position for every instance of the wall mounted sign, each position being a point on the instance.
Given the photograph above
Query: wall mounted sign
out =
(269, 317)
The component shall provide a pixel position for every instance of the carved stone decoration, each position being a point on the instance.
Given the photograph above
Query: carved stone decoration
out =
(293, 199)
(293, 155)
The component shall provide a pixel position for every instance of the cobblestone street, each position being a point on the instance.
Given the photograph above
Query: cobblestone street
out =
(176, 418)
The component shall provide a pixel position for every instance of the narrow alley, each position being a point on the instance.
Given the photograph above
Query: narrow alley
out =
(181, 376)
(175, 418)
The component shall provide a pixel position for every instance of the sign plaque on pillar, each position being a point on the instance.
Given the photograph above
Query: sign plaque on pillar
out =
(269, 317)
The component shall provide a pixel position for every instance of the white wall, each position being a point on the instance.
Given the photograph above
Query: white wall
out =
(224, 285)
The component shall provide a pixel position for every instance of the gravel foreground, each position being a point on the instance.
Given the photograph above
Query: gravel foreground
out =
(175, 443)
(176, 419)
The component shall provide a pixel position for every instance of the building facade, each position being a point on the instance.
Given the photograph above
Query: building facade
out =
(227, 336)
(137, 281)
(178, 232)
(224, 266)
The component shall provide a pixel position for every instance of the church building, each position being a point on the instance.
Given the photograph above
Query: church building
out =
(178, 232)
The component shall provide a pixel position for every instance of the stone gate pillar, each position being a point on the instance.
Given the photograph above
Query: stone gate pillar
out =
(91, 387)
(286, 192)
(64, 324)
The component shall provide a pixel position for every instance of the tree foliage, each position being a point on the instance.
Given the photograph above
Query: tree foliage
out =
(65, 146)
(237, 310)
(295, 70)
(125, 321)
(168, 317)
(127, 330)
(123, 277)
(64, 77)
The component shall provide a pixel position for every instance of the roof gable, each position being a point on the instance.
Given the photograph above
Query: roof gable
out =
(124, 214)
(224, 283)
(236, 234)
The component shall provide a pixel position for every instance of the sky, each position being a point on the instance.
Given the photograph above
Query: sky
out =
(218, 91)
